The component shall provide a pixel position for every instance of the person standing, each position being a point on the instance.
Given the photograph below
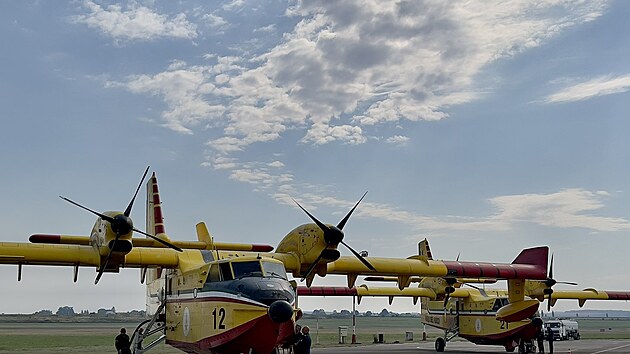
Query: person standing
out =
(303, 346)
(550, 339)
(540, 339)
(122, 342)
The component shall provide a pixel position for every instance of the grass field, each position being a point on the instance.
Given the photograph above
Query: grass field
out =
(98, 338)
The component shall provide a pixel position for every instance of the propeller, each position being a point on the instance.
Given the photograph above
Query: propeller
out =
(550, 282)
(449, 289)
(333, 235)
(121, 224)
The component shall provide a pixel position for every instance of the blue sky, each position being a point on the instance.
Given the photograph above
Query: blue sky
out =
(486, 127)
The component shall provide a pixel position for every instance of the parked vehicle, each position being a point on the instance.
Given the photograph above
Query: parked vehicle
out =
(563, 329)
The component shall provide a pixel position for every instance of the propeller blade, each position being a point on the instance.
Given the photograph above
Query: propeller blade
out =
(128, 210)
(549, 303)
(166, 243)
(319, 223)
(360, 257)
(102, 216)
(567, 283)
(446, 298)
(104, 265)
(312, 266)
(342, 223)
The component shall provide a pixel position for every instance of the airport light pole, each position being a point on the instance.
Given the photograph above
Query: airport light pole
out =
(354, 322)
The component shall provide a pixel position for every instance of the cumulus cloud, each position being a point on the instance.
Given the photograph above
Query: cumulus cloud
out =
(600, 86)
(135, 22)
(347, 66)
(570, 208)
(566, 209)
(397, 140)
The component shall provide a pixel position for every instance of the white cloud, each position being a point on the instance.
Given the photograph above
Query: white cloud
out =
(276, 164)
(565, 209)
(135, 23)
(600, 86)
(397, 140)
(570, 208)
(321, 134)
(266, 29)
(184, 92)
(349, 66)
(214, 20)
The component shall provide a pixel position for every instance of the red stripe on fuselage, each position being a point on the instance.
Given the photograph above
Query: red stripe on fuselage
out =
(260, 335)
(526, 332)
(218, 298)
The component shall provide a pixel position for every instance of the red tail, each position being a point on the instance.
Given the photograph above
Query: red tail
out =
(155, 221)
(536, 256)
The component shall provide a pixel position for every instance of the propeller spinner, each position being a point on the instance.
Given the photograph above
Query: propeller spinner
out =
(121, 224)
(333, 235)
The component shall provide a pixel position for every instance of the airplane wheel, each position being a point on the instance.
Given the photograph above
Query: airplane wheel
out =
(440, 344)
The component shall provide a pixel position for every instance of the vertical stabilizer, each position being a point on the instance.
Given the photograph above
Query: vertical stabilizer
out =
(154, 225)
(203, 235)
(155, 221)
(424, 251)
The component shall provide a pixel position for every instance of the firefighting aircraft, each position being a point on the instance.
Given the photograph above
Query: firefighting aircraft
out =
(210, 297)
(476, 314)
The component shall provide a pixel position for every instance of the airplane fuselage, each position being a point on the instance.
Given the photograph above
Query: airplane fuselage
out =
(474, 319)
(229, 306)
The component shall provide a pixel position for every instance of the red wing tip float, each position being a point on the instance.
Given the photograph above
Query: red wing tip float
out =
(242, 290)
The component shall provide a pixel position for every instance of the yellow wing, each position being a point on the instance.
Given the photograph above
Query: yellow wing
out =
(78, 255)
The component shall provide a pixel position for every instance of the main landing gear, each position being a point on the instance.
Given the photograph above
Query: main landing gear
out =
(440, 344)
(147, 328)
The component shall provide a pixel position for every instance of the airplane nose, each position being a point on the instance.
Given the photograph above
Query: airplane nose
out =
(280, 311)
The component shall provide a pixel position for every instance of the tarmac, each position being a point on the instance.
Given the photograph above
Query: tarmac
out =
(592, 346)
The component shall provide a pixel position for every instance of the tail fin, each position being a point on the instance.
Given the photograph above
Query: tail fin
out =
(154, 225)
(155, 221)
(424, 251)
(203, 235)
(535, 256)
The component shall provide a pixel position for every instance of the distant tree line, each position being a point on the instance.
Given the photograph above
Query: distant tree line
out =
(321, 313)
(69, 311)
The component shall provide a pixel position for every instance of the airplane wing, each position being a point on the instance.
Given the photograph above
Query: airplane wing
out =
(529, 264)
(365, 290)
(588, 294)
(78, 255)
(147, 242)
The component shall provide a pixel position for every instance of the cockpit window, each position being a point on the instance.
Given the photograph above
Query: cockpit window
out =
(273, 269)
(226, 272)
(246, 269)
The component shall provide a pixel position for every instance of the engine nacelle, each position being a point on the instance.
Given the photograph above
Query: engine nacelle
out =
(518, 311)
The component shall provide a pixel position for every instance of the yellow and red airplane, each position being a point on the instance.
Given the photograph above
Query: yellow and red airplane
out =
(213, 297)
(474, 313)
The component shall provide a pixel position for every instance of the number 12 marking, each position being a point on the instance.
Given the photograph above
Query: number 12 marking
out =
(220, 316)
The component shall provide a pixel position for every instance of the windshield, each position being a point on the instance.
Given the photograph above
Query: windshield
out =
(273, 269)
(246, 269)
(553, 325)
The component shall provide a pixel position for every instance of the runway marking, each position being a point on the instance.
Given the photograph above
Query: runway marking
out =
(607, 350)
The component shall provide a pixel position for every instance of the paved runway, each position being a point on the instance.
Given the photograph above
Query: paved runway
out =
(596, 346)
